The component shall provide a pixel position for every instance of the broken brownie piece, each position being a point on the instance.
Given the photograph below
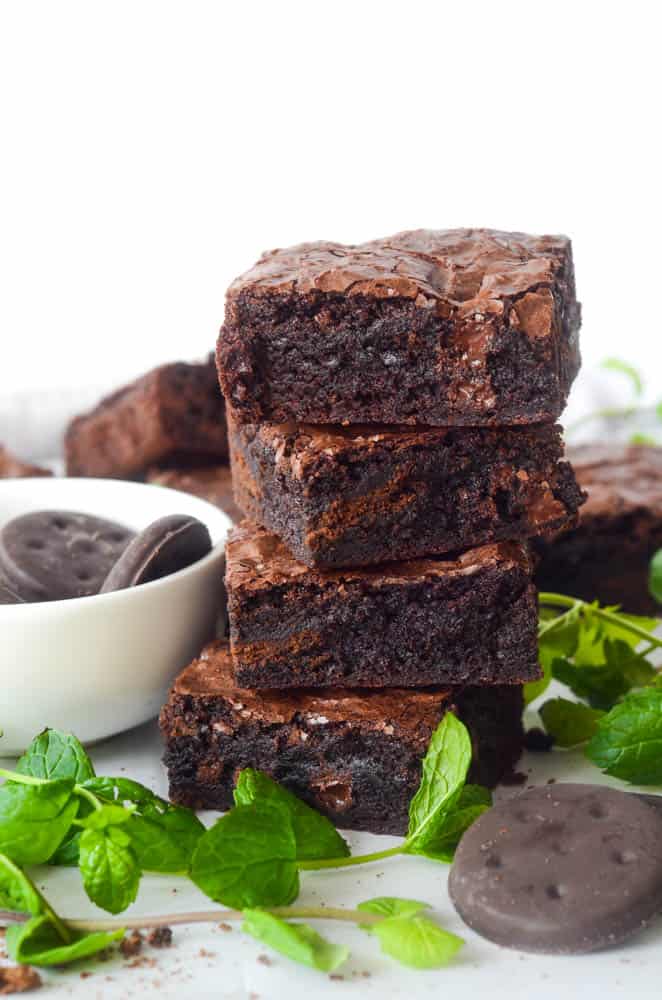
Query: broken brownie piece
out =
(441, 327)
(12, 467)
(354, 755)
(470, 619)
(606, 556)
(177, 408)
(209, 482)
(354, 496)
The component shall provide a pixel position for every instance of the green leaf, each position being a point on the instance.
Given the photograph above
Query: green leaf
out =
(315, 835)
(17, 892)
(109, 869)
(109, 815)
(297, 941)
(35, 818)
(658, 410)
(533, 689)
(416, 941)
(655, 576)
(644, 439)
(617, 365)
(248, 858)
(391, 906)
(569, 722)
(628, 742)
(163, 836)
(444, 772)
(604, 684)
(38, 942)
(54, 754)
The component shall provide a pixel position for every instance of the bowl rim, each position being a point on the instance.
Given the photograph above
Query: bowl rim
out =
(217, 550)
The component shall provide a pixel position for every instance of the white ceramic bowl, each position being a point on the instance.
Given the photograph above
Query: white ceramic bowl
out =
(98, 665)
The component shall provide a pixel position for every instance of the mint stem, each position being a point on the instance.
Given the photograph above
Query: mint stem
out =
(207, 917)
(357, 859)
(562, 601)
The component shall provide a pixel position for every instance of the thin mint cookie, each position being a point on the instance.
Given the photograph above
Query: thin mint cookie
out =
(51, 555)
(164, 547)
(8, 595)
(560, 869)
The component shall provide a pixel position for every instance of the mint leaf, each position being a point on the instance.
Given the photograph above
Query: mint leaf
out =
(316, 837)
(163, 836)
(54, 754)
(444, 771)
(105, 816)
(569, 722)
(109, 869)
(248, 858)
(297, 941)
(472, 802)
(17, 892)
(416, 941)
(391, 906)
(631, 373)
(38, 942)
(646, 439)
(34, 819)
(655, 576)
(604, 684)
(628, 742)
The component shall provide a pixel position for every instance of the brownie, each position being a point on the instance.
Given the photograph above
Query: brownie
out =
(606, 556)
(209, 482)
(353, 496)
(12, 467)
(176, 408)
(440, 327)
(354, 755)
(469, 619)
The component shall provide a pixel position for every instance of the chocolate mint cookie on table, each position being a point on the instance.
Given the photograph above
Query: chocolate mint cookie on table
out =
(606, 556)
(441, 327)
(352, 496)
(165, 546)
(177, 408)
(354, 755)
(561, 869)
(466, 619)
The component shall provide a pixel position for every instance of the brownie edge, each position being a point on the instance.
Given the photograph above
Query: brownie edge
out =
(441, 327)
(353, 755)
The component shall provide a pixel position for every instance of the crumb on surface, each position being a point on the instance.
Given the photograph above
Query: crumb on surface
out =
(264, 960)
(536, 740)
(18, 979)
(223, 926)
(160, 937)
(132, 944)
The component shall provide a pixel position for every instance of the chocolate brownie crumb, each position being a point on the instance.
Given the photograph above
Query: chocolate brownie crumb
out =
(18, 979)
(264, 960)
(131, 945)
(160, 937)
(537, 740)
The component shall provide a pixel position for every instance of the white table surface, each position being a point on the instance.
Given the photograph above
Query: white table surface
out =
(205, 961)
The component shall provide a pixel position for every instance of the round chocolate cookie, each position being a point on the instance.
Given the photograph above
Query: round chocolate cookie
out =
(560, 869)
(51, 555)
(165, 546)
(8, 595)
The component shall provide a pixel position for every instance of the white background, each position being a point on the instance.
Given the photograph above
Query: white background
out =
(151, 150)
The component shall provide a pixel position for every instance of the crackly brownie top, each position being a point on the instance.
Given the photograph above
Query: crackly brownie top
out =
(465, 270)
(619, 478)
(211, 676)
(256, 559)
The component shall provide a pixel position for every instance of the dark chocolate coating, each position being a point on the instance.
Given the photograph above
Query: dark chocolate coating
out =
(561, 869)
(8, 594)
(53, 555)
(164, 547)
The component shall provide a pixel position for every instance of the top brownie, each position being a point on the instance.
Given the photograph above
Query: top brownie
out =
(440, 327)
(174, 410)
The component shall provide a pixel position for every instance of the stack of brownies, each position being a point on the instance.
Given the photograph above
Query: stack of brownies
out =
(391, 417)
